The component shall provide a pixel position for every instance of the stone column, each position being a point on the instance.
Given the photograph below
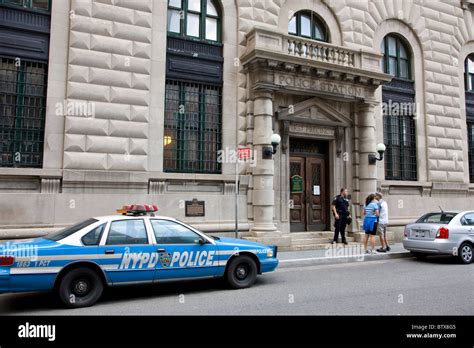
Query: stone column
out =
(263, 192)
(367, 145)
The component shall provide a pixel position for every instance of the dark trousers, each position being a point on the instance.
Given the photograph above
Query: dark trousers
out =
(340, 225)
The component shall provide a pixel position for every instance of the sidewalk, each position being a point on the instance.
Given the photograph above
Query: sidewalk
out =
(337, 254)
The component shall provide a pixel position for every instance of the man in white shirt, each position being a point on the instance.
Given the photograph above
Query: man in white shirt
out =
(382, 223)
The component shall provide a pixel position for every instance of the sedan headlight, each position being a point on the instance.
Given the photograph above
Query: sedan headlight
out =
(269, 253)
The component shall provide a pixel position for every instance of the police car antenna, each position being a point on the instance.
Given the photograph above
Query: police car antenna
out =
(442, 211)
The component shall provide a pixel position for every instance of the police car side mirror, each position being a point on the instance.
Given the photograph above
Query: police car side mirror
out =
(202, 241)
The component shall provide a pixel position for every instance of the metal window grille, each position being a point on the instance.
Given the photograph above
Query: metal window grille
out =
(400, 155)
(470, 139)
(22, 112)
(192, 129)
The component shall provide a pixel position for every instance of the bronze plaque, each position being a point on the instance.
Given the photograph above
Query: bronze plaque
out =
(194, 208)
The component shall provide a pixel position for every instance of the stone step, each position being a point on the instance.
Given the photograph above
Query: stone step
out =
(316, 246)
(308, 241)
(316, 234)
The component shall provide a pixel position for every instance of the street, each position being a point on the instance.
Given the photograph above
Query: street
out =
(438, 286)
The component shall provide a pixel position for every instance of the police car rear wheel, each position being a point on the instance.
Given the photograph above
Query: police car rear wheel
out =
(80, 287)
(242, 272)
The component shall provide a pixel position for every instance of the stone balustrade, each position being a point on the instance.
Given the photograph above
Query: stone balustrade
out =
(282, 46)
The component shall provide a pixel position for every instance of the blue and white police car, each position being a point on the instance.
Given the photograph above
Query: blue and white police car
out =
(136, 247)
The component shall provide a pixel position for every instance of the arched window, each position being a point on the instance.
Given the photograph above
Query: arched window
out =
(309, 25)
(470, 73)
(198, 19)
(399, 109)
(396, 57)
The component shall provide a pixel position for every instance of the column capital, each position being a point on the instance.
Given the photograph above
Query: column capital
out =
(367, 105)
(262, 94)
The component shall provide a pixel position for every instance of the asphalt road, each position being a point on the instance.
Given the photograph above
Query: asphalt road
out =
(392, 287)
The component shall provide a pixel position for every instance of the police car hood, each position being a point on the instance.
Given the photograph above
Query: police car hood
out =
(234, 242)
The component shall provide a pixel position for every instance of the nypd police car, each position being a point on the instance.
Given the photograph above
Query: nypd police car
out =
(136, 247)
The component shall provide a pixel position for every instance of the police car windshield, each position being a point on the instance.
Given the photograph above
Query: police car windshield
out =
(66, 232)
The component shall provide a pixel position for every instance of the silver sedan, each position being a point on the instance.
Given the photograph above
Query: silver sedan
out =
(442, 233)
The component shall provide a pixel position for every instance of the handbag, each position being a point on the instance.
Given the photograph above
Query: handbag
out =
(348, 220)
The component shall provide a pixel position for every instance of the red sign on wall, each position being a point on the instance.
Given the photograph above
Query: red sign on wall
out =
(244, 152)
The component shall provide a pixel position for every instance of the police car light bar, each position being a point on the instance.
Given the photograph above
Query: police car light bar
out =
(138, 209)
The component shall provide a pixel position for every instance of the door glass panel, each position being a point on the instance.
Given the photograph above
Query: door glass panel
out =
(127, 232)
(469, 219)
(169, 232)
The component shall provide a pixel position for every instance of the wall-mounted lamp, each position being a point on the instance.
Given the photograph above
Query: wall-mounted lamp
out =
(166, 140)
(268, 151)
(373, 157)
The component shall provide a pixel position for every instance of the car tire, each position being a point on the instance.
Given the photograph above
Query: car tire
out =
(80, 287)
(242, 272)
(420, 256)
(465, 253)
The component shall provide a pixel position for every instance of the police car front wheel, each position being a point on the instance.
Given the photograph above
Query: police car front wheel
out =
(242, 272)
(80, 287)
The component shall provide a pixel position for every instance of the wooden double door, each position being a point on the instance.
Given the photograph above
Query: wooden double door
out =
(308, 202)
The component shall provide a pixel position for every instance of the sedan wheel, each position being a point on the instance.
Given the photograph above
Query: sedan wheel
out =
(242, 272)
(80, 287)
(465, 253)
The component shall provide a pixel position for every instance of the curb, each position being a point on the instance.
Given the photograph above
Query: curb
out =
(314, 261)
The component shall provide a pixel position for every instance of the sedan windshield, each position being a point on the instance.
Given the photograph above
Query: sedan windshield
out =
(437, 218)
(66, 232)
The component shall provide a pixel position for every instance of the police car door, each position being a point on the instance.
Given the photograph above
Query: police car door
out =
(128, 252)
(182, 253)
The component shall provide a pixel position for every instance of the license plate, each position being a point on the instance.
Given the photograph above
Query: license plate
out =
(421, 234)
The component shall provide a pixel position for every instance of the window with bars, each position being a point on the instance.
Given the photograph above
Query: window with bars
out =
(399, 107)
(22, 112)
(470, 140)
(400, 154)
(469, 71)
(192, 129)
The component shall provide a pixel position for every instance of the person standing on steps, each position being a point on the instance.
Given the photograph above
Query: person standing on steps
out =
(340, 210)
(383, 223)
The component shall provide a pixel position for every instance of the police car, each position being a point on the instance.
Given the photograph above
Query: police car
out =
(136, 247)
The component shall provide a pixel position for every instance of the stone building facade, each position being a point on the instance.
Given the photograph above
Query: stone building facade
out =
(137, 101)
